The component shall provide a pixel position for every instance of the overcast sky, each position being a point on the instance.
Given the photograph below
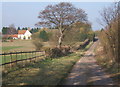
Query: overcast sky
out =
(25, 14)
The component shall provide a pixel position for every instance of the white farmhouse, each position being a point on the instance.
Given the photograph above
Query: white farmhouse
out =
(24, 34)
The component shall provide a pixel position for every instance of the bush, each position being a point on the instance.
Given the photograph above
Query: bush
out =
(4, 39)
(53, 52)
(57, 52)
(38, 44)
(44, 36)
(65, 50)
(9, 38)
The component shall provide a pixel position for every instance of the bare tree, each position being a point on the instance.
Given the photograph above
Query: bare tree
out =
(110, 17)
(11, 29)
(61, 15)
(109, 14)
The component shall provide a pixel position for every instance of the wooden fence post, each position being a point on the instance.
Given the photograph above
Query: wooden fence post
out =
(16, 58)
(32, 56)
(4, 58)
(21, 58)
(26, 57)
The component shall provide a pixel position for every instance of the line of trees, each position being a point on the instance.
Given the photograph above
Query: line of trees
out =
(9, 30)
(12, 30)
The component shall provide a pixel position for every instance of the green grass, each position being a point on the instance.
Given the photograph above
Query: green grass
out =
(88, 46)
(47, 72)
(4, 49)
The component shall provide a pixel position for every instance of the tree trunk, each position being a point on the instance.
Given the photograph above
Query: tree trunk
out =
(61, 37)
(60, 40)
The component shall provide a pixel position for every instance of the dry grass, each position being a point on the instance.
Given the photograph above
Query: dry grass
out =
(25, 45)
(113, 69)
(22, 45)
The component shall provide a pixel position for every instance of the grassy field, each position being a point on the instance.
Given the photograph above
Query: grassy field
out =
(47, 72)
(18, 45)
(7, 48)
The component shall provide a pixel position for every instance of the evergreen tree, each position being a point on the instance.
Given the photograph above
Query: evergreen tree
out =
(18, 28)
(4, 30)
(43, 35)
(24, 28)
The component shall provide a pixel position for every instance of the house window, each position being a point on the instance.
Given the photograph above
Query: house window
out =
(24, 38)
(28, 37)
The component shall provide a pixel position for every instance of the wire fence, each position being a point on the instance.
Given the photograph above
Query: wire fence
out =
(16, 57)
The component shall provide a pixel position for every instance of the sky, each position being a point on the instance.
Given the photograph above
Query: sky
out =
(25, 14)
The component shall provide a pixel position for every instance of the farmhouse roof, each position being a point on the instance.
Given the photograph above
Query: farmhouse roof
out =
(21, 31)
(15, 35)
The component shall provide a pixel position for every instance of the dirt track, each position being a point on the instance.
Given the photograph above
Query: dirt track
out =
(87, 72)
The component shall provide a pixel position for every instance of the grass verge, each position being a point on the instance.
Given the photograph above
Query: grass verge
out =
(47, 72)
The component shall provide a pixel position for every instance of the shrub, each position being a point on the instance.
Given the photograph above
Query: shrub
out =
(65, 50)
(44, 36)
(9, 38)
(38, 44)
(53, 52)
(4, 39)
(57, 52)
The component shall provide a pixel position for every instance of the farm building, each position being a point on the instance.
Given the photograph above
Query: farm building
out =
(14, 36)
(22, 34)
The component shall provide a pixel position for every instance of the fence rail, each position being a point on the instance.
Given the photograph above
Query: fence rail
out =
(15, 57)
(19, 52)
